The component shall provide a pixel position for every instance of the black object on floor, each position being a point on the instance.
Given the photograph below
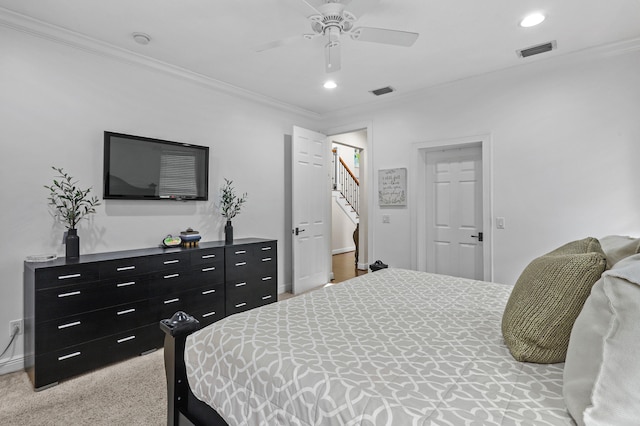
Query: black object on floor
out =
(377, 265)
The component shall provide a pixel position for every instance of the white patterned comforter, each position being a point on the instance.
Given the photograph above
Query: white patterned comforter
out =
(394, 347)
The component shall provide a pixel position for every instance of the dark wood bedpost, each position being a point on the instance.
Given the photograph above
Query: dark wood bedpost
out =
(176, 329)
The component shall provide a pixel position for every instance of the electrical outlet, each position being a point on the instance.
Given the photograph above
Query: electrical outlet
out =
(16, 323)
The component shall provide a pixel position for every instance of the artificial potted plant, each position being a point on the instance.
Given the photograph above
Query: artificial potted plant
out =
(230, 206)
(70, 204)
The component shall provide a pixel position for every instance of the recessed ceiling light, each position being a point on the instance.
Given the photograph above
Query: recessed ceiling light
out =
(330, 84)
(141, 38)
(532, 20)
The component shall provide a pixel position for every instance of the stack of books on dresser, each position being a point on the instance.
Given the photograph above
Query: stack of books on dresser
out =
(190, 238)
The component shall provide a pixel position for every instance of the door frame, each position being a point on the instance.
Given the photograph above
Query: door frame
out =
(366, 237)
(420, 152)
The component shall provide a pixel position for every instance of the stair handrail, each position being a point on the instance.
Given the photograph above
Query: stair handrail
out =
(349, 185)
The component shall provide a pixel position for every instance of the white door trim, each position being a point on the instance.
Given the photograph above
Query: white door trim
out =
(420, 151)
(366, 229)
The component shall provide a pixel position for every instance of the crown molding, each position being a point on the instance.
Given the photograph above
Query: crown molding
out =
(53, 33)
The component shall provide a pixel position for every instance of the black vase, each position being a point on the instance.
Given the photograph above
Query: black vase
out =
(72, 243)
(228, 233)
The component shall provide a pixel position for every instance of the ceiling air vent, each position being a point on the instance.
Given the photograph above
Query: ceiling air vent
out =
(382, 91)
(536, 50)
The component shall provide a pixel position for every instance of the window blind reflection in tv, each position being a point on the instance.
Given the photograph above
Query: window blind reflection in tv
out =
(141, 168)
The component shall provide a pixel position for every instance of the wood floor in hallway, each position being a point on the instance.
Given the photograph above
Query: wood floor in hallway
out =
(344, 267)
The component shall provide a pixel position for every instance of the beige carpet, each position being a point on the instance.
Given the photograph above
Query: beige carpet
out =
(132, 392)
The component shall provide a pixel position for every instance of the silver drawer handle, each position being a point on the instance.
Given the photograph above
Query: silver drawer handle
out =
(241, 252)
(73, 293)
(169, 262)
(266, 278)
(240, 284)
(125, 284)
(71, 324)
(266, 259)
(64, 277)
(266, 297)
(171, 276)
(265, 248)
(208, 292)
(62, 358)
(241, 263)
(125, 268)
(128, 311)
(124, 339)
(208, 314)
(239, 305)
(208, 269)
(166, 302)
(208, 256)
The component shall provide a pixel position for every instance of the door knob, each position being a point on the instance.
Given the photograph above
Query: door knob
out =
(298, 230)
(480, 236)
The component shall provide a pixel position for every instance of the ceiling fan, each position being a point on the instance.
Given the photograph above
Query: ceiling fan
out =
(332, 21)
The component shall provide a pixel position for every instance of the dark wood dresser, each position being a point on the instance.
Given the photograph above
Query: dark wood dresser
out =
(105, 307)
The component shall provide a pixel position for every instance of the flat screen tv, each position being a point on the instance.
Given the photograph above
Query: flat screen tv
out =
(141, 168)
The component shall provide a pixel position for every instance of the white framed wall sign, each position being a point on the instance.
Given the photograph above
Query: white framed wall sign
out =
(392, 187)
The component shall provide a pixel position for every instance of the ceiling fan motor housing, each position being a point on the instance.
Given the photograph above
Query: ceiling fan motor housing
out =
(333, 16)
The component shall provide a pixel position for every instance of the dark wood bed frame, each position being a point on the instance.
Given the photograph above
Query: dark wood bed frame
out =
(183, 408)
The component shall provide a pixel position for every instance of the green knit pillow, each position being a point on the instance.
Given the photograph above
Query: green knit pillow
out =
(547, 299)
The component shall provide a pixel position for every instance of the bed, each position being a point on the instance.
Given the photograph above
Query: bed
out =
(395, 347)
(401, 347)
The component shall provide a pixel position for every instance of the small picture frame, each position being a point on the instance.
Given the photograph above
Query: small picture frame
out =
(392, 187)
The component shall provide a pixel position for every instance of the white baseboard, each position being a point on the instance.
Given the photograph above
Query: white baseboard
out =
(363, 266)
(11, 366)
(285, 288)
(343, 250)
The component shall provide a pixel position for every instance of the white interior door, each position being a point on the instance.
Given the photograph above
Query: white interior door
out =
(454, 212)
(311, 214)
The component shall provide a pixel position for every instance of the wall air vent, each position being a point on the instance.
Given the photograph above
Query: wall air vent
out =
(536, 50)
(382, 91)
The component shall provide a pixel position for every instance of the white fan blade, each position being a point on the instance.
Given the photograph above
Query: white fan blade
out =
(332, 57)
(380, 35)
(312, 7)
(277, 43)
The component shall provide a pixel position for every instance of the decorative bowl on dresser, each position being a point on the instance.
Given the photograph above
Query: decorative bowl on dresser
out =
(105, 307)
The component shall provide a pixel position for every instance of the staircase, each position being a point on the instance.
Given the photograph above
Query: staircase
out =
(345, 206)
(346, 188)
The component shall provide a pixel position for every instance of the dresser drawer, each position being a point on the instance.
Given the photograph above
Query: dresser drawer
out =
(165, 306)
(167, 261)
(208, 256)
(65, 275)
(53, 366)
(63, 332)
(206, 296)
(124, 267)
(208, 273)
(266, 249)
(208, 311)
(171, 282)
(78, 298)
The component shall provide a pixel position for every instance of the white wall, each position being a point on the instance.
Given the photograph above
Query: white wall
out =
(341, 230)
(566, 145)
(55, 103)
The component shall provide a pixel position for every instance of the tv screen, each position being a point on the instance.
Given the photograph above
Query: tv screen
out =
(140, 168)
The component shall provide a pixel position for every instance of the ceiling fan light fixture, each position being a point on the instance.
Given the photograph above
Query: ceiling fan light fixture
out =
(532, 20)
(330, 84)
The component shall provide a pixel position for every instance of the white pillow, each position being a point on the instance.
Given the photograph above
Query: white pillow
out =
(618, 247)
(602, 372)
